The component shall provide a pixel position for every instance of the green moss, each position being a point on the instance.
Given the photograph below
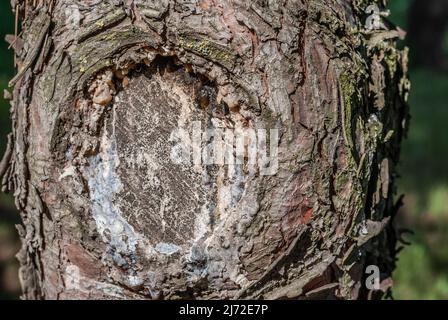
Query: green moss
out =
(110, 36)
(391, 56)
(341, 181)
(207, 49)
(97, 52)
(361, 5)
(348, 91)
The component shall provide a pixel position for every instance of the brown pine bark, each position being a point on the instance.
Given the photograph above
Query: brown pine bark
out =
(106, 90)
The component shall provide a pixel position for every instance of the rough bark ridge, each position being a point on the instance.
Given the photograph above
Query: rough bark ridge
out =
(103, 87)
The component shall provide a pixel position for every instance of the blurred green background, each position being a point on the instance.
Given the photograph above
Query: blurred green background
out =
(422, 271)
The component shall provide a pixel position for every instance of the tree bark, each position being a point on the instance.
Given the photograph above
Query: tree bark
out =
(108, 90)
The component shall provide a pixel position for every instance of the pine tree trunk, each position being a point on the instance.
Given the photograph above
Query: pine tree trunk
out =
(120, 200)
(428, 25)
